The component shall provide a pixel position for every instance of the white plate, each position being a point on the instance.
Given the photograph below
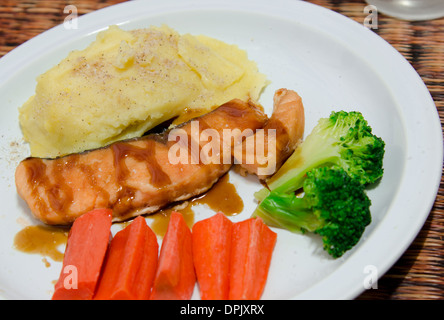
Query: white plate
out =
(332, 61)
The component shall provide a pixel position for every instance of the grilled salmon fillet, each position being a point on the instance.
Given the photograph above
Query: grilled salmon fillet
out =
(135, 176)
(268, 149)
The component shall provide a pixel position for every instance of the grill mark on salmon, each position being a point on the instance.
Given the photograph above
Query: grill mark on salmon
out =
(131, 177)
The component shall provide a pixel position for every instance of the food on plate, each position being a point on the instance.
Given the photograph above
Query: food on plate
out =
(281, 135)
(127, 82)
(175, 277)
(130, 264)
(333, 166)
(136, 176)
(228, 260)
(232, 260)
(334, 206)
(344, 139)
(211, 255)
(84, 255)
(252, 248)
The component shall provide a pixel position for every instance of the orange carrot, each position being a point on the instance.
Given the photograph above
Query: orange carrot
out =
(251, 250)
(211, 255)
(85, 251)
(175, 277)
(130, 264)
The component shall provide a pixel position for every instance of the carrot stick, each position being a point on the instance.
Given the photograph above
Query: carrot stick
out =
(130, 264)
(211, 254)
(175, 277)
(85, 251)
(251, 251)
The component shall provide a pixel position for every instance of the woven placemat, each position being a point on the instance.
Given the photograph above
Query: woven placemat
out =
(419, 272)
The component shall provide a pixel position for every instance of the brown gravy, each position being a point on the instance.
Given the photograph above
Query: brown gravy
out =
(43, 240)
(222, 197)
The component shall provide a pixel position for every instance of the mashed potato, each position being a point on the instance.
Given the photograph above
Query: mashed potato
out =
(127, 82)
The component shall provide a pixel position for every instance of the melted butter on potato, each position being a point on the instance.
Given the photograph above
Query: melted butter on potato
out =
(127, 82)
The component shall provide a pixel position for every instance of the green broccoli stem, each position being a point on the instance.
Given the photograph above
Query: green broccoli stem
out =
(316, 151)
(288, 212)
(261, 194)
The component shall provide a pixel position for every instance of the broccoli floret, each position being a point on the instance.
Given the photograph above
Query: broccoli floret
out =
(332, 204)
(344, 139)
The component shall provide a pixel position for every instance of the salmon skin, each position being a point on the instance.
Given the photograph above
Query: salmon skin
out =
(131, 177)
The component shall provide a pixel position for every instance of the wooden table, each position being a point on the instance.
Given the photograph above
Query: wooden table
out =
(419, 272)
